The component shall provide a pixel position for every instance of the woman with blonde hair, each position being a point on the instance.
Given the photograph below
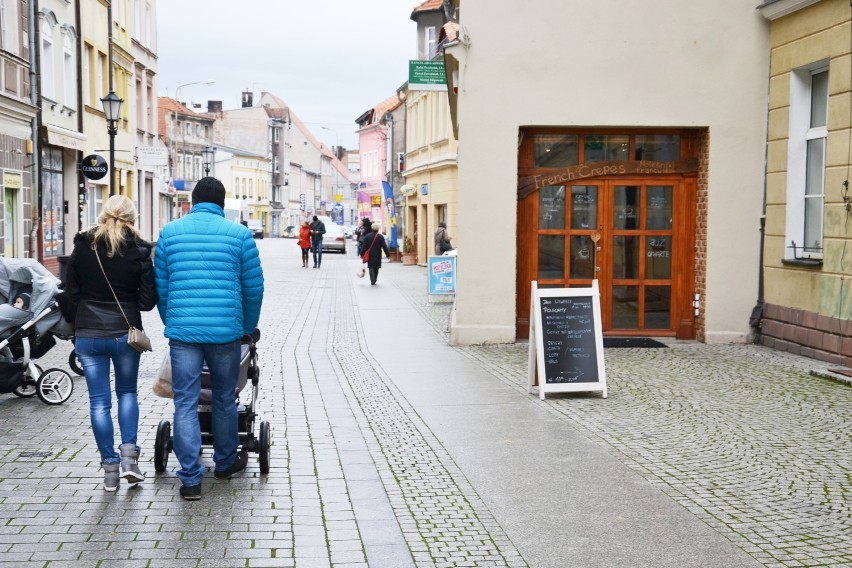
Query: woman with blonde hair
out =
(111, 261)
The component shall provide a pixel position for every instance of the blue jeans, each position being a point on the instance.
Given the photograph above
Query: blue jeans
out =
(223, 361)
(316, 248)
(95, 356)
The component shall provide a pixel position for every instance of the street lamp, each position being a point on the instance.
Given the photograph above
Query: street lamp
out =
(112, 110)
(207, 157)
(177, 90)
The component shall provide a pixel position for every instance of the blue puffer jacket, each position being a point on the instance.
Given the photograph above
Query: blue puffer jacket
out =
(209, 279)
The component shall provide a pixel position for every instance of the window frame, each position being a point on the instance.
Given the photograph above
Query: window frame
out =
(801, 132)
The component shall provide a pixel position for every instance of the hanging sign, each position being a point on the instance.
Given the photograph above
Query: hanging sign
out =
(94, 167)
(566, 340)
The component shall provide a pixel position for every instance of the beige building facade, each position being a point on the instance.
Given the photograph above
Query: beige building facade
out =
(644, 130)
(807, 261)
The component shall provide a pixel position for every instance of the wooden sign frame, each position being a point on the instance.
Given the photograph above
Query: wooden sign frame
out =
(536, 360)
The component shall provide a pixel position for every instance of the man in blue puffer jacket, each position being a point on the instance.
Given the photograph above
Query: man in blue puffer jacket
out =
(210, 286)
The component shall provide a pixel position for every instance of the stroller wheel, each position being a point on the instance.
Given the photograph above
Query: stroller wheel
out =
(26, 389)
(54, 386)
(74, 363)
(264, 442)
(162, 446)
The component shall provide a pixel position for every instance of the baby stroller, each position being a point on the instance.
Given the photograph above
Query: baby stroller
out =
(27, 333)
(246, 414)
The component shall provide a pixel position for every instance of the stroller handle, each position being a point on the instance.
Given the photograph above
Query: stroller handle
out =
(251, 338)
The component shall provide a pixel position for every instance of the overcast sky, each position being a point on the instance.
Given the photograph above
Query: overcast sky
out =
(330, 60)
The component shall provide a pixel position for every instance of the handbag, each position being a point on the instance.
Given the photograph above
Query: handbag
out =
(136, 338)
(444, 246)
(366, 256)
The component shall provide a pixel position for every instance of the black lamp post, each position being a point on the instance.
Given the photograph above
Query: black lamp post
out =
(207, 157)
(112, 110)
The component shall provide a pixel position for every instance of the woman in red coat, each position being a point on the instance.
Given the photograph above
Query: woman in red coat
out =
(305, 242)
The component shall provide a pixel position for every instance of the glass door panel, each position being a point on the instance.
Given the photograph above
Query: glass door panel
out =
(658, 258)
(625, 307)
(551, 207)
(584, 207)
(582, 257)
(658, 307)
(625, 258)
(627, 208)
(658, 204)
(551, 257)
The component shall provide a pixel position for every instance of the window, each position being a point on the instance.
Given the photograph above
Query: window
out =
(69, 100)
(87, 78)
(53, 216)
(95, 199)
(430, 36)
(100, 78)
(48, 62)
(806, 162)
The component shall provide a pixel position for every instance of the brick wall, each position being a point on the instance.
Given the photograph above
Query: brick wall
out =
(701, 209)
(807, 333)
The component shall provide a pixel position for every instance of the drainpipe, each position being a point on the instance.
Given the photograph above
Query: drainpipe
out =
(756, 318)
(35, 99)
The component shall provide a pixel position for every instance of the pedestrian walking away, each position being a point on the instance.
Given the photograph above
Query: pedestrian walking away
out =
(317, 231)
(442, 239)
(375, 244)
(111, 263)
(304, 242)
(206, 308)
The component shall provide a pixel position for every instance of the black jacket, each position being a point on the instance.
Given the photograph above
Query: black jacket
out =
(364, 245)
(89, 302)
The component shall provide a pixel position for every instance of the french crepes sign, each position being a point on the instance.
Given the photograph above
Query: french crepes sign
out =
(94, 167)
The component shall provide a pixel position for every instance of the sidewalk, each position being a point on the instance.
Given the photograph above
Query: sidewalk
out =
(392, 449)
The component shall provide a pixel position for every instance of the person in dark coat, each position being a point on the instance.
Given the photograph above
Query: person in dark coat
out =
(101, 328)
(317, 231)
(374, 263)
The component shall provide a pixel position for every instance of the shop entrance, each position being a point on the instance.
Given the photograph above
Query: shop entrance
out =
(634, 233)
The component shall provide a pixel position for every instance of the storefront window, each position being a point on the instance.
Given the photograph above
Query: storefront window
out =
(606, 148)
(658, 147)
(53, 216)
(556, 150)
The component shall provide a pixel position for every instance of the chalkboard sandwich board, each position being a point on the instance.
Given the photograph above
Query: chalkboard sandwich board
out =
(566, 340)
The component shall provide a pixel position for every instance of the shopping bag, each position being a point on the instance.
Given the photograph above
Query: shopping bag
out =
(163, 385)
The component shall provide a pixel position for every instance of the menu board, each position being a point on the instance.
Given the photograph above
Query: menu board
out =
(566, 342)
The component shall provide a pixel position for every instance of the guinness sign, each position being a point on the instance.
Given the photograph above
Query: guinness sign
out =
(94, 167)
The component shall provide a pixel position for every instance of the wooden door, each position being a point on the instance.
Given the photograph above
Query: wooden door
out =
(635, 236)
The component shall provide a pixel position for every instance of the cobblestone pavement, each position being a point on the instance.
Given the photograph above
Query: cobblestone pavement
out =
(742, 437)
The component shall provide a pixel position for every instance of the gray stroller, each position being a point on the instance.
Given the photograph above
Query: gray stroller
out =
(28, 332)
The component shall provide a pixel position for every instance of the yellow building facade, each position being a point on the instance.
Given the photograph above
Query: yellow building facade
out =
(431, 171)
(807, 295)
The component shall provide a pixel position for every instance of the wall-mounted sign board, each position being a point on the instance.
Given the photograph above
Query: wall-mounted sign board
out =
(566, 340)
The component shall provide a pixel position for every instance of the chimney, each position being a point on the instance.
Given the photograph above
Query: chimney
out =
(247, 99)
(214, 107)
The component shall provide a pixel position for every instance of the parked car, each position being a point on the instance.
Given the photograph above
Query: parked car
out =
(256, 228)
(290, 232)
(334, 239)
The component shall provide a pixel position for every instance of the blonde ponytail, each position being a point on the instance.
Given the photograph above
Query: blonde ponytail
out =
(117, 221)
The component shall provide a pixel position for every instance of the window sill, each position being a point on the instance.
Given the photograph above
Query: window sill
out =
(802, 262)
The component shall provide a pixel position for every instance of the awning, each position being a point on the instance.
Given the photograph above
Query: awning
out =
(58, 136)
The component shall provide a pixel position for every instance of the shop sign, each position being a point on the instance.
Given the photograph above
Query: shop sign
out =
(94, 167)
(424, 189)
(150, 156)
(302, 201)
(427, 76)
(376, 200)
(408, 190)
(12, 180)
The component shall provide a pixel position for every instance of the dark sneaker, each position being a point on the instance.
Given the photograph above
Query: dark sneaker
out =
(191, 492)
(236, 467)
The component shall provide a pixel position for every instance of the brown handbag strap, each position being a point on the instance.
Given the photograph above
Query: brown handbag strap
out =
(97, 256)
